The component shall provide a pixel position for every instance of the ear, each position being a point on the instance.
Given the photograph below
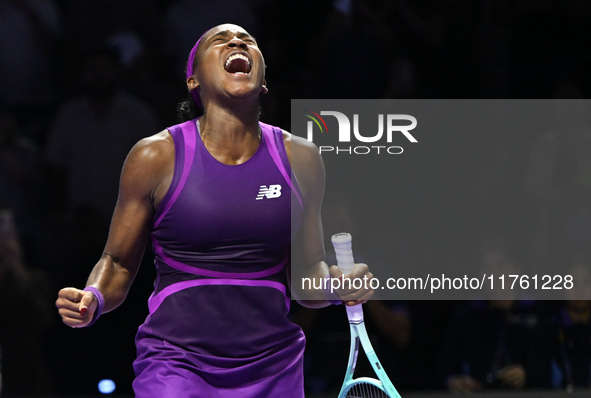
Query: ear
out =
(264, 89)
(192, 83)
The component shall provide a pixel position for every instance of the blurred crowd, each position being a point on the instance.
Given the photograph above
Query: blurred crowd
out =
(81, 82)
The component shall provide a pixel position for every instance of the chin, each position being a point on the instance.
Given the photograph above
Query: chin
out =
(244, 93)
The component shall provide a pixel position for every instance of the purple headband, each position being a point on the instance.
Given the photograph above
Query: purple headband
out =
(194, 93)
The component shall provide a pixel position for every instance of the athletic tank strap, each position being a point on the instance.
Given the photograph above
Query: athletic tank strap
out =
(185, 138)
(274, 138)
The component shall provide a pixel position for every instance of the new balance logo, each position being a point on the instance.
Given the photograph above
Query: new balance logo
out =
(274, 191)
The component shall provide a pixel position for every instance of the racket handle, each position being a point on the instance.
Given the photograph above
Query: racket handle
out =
(342, 248)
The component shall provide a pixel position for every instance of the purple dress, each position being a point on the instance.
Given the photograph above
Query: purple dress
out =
(218, 323)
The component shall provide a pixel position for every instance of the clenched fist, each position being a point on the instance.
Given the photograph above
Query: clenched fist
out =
(76, 306)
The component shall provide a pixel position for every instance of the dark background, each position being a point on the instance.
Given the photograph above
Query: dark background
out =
(423, 49)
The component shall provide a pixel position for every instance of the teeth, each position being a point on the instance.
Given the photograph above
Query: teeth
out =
(233, 57)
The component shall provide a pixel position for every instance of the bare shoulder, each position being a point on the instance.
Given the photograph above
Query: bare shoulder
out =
(300, 148)
(306, 163)
(153, 148)
(150, 162)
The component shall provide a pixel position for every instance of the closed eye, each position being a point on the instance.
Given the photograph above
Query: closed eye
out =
(223, 36)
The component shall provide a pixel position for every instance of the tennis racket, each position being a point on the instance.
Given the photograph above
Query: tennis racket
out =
(362, 387)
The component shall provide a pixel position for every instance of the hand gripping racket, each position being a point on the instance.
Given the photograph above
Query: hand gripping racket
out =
(362, 387)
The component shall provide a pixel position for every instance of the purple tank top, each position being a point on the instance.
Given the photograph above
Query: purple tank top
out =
(219, 220)
(221, 237)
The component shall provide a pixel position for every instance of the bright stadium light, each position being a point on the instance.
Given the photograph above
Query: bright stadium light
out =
(106, 386)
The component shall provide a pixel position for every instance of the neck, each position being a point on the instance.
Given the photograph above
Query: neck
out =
(230, 121)
(231, 135)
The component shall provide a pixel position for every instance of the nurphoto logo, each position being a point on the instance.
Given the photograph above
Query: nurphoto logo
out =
(392, 126)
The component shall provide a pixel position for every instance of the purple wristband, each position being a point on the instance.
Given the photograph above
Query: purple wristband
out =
(101, 303)
(331, 297)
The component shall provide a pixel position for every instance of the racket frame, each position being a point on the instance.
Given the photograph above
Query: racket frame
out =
(342, 245)
(359, 335)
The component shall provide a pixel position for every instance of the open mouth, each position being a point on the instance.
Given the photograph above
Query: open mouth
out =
(237, 64)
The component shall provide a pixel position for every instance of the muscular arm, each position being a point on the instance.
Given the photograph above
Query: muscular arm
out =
(308, 247)
(146, 175)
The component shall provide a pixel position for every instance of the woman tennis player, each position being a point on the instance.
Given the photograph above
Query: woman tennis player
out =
(217, 199)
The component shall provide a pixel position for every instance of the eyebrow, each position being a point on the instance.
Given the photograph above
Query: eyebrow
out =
(226, 33)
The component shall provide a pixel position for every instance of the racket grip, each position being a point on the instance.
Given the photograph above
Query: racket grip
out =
(342, 248)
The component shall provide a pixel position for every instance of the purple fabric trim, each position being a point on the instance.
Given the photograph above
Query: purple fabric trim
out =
(330, 297)
(179, 158)
(274, 151)
(190, 138)
(100, 303)
(215, 274)
(155, 300)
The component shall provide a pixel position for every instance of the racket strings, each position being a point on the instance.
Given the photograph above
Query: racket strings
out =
(365, 390)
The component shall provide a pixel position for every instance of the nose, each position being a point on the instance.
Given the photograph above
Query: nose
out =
(236, 42)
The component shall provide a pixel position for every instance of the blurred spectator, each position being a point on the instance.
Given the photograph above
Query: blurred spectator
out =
(19, 175)
(143, 63)
(486, 343)
(92, 135)
(22, 291)
(486, 346)
(29, 34)
(90, 24)
(134, 28)
(559, 177)
(561, 348)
